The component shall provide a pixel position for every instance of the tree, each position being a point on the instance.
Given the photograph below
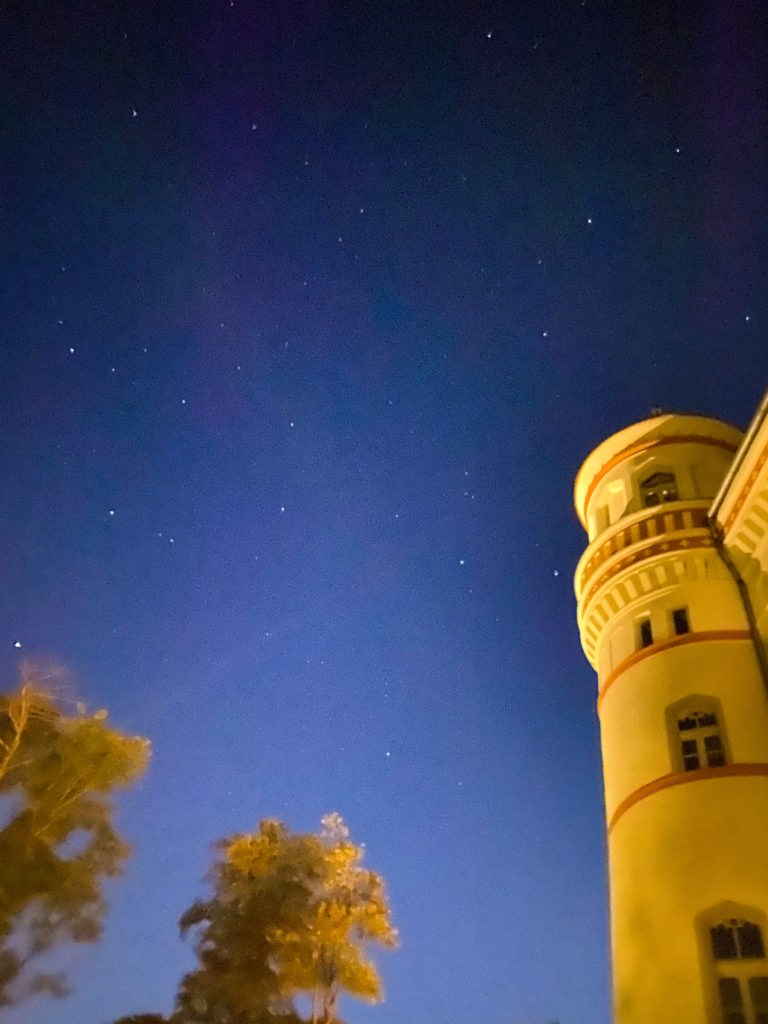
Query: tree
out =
(290, 915)
(57, 840)
(142, 1018)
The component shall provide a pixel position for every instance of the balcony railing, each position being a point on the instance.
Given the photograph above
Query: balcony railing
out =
(642, 526)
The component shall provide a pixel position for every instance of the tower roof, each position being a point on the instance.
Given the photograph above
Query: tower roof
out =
(646, 434)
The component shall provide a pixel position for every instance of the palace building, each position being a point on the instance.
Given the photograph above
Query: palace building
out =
(672, 597)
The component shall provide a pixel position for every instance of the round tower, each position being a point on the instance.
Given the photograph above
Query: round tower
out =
(683, 711)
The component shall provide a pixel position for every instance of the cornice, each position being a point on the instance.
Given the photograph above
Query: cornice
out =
(650, 523)
(746, 489)
(699, 539)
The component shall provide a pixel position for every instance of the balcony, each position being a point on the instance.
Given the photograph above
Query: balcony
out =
(640, 528)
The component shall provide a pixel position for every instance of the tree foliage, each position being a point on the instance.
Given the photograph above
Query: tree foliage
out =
(57, 839)
(142, 1018)
(290, 914)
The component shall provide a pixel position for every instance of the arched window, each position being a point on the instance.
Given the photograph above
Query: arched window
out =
(657, 488)
(697, 735)
(737, 953)
(701, 745)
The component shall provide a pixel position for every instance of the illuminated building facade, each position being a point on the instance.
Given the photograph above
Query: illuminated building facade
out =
(673, 613)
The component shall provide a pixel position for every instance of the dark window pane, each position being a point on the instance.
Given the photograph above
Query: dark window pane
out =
(656, 479)
(712, 743)
(686, 723)
(758, 993)
(730, 993)
(723, 943)
(680, 621)
(646, 633)
(707, 718)
(689, 746)
(690, 764)
(734, 1017)
(716, 760)
(658, 487)
(750, 941)
(761, 1017)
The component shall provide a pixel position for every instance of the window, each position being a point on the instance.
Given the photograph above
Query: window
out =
(658, 488)
(645, 633)
(701, 744)
(680, 621)
(736, 939)
(741, 992)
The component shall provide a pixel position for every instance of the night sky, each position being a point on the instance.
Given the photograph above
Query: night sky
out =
(311, 312)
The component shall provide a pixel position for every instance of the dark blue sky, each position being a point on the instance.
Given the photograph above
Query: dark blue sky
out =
(312, 311)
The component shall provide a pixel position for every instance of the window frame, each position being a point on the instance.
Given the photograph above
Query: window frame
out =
(687, 707)
(675, 615)
(658, 485)
(644, 633)
(745, 978)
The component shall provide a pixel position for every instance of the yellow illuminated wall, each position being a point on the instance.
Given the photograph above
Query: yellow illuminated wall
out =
(672, 614)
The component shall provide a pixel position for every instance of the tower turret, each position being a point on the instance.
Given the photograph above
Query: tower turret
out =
(684, 727)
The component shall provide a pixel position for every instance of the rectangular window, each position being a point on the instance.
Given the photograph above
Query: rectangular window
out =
(731, 1001)
(680, 621)
(690, 755)
(750, 941)
(758, 993)
(714, 751)
(723, 943)
(645, 633)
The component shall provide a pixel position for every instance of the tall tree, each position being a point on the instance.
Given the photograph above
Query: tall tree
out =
(57, 838)
(290, 915)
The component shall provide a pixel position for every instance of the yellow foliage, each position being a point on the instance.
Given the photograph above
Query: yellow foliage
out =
(293, 913)
(59, 841)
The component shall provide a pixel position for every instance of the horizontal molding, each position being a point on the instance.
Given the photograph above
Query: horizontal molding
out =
(681, 778)
(702, 636)
(697, 539)
(650, 525)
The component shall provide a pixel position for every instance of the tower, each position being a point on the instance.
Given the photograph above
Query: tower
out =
(672, 594)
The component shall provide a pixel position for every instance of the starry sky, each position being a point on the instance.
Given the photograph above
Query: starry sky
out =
(312, 310)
